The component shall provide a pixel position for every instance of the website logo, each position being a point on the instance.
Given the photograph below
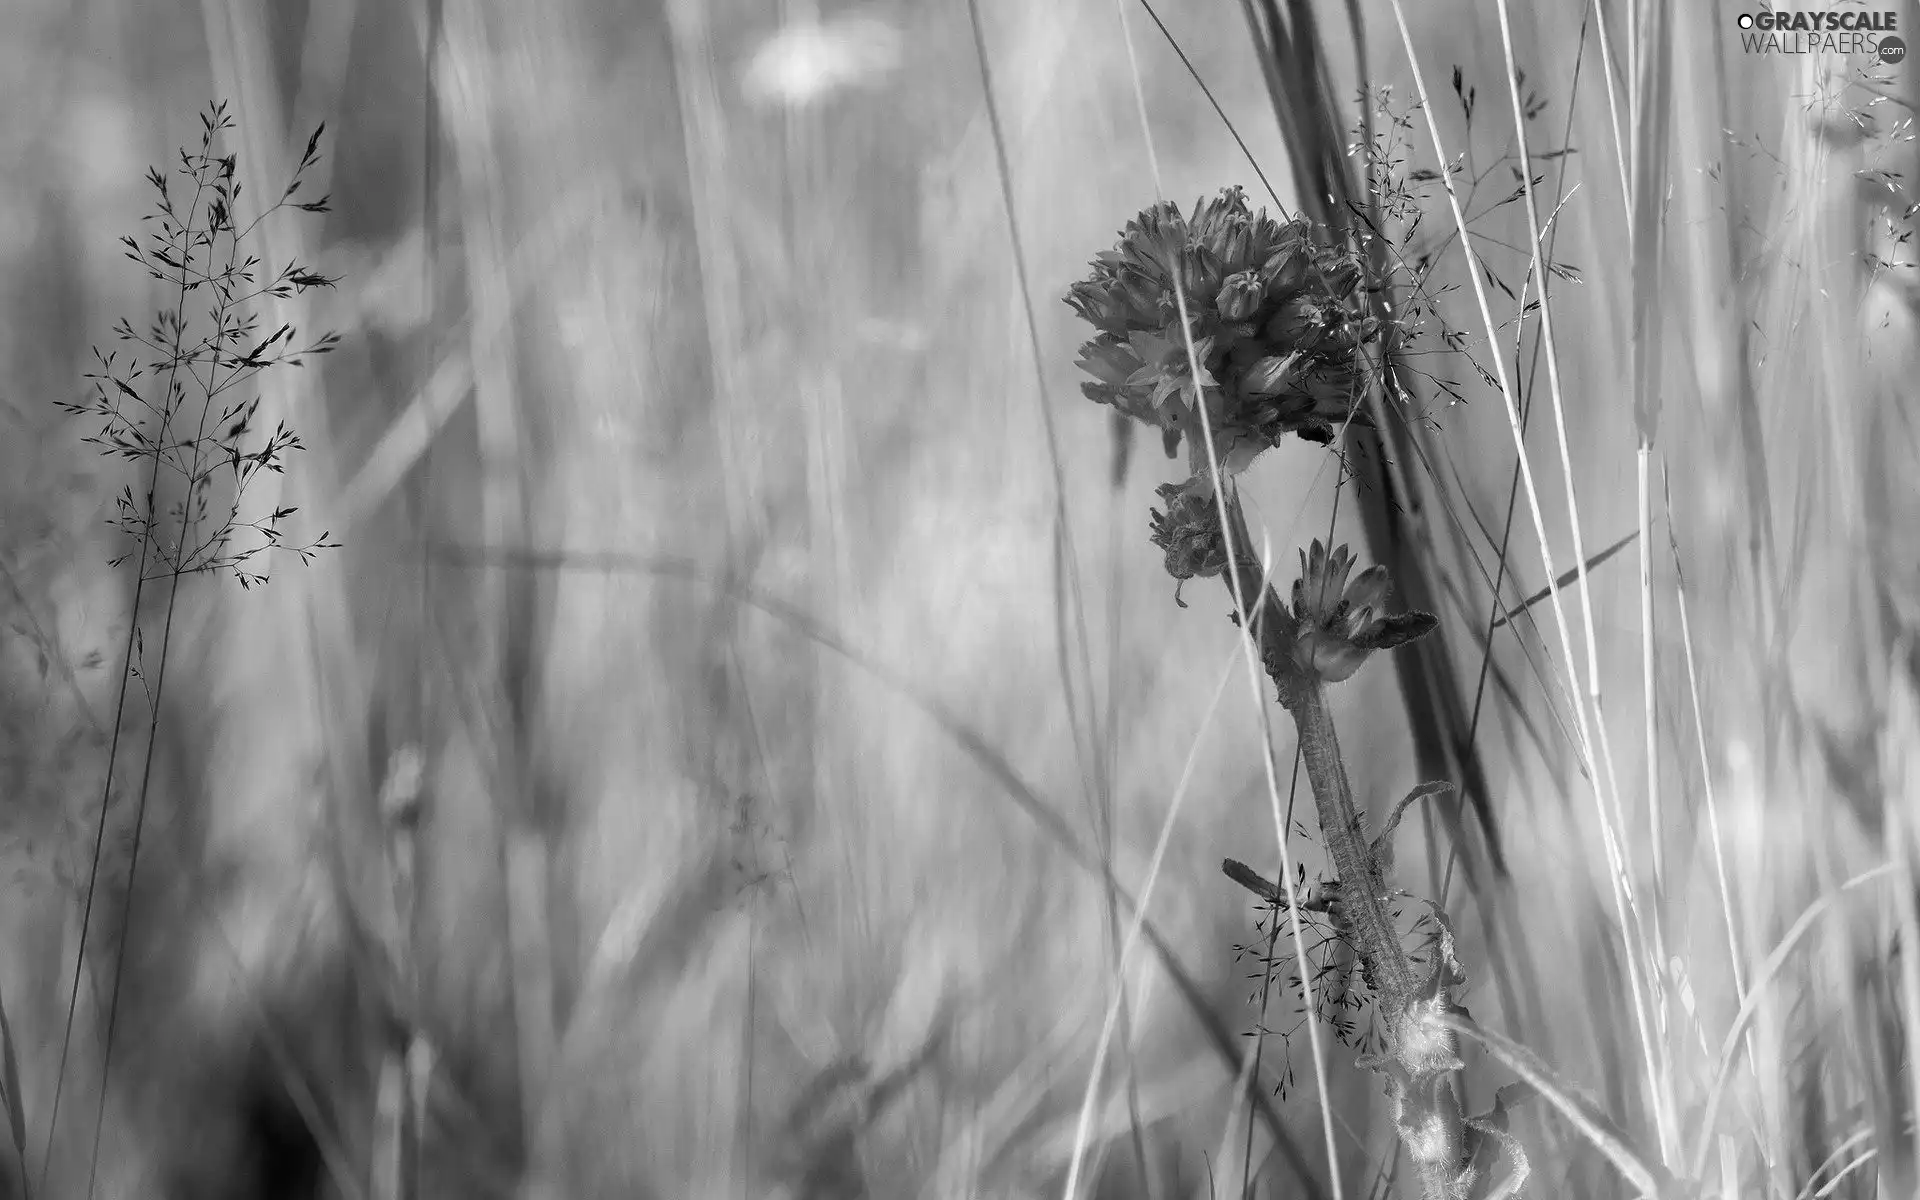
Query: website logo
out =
(1853, 31)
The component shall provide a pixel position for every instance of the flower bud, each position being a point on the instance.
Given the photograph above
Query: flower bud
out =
(1297, 324)
(1189, 533)
(1144, 296)
(1109, 360)
(1235, 252)
(1270, 375)
(1340, 621)
(1240, 296)
(1343, 278)
(1200, 272)
(1099, 305)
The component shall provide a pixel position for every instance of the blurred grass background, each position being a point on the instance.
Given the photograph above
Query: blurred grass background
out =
(700, 907)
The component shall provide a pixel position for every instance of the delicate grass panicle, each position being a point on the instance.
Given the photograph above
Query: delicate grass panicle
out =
(177, 402)
(180, 375)
(1270, 346)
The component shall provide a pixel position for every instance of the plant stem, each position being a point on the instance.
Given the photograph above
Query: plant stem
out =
(1363, 906)
(1421, 1053)
(1362, 877)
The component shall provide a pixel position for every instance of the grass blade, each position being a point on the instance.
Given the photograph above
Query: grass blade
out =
(1565, 580)
(1592, 1125)
(10, 1096)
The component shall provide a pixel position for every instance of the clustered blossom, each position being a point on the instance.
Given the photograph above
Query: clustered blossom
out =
(1270, 308)
(1189, 532)
(1336, 618)
(1341, 620)
(1230, 324)
(1272, 345)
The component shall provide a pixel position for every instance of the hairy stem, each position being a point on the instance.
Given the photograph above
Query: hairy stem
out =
(1421, 1052)
(1363, 905)
(1362, 877)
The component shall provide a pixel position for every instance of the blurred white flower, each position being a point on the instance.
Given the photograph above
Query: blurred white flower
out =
(887, 333)
(806, 61)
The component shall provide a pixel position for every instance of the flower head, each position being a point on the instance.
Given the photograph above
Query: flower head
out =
(1272, 323)
(1189, 532)
(1341, 617)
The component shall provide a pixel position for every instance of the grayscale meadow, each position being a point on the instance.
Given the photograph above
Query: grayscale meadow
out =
(963, 600)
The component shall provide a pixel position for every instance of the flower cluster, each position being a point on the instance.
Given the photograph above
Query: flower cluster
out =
(1271, 310)
(1189, 532)
(1336, 618)
(1341, 620)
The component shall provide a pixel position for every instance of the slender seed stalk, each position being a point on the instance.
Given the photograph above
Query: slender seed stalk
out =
(190, 519)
